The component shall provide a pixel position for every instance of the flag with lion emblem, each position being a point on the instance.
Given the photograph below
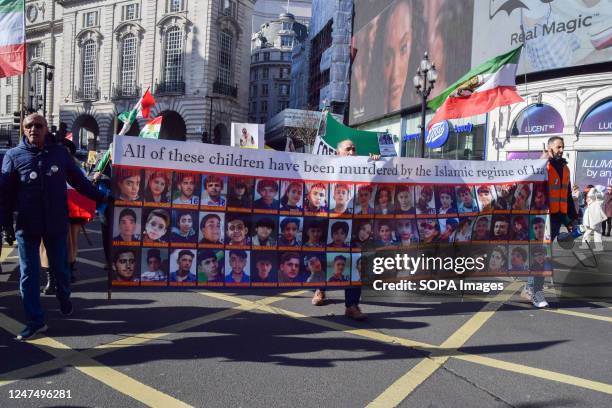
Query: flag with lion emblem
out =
(490, 85)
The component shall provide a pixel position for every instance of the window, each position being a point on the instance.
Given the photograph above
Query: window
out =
(254, 90)
(264, 90)
(90, 19)
(35, 50)
(173, 59)
(265, 73)
(253, 74)
(256, 58)
(38, 83)
(8, 108)
(175, 5)
(253, 107)
(266, 56)
(285, 56)
(286, 41)
(128, 64)
(224, 69)
(283, 90)
(282, 105)
(229, 8)
(264, 106)
(129, 12)
(284, 73)
(89, 71)
(9, 81)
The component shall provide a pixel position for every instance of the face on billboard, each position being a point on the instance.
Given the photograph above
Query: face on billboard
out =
(387, 51)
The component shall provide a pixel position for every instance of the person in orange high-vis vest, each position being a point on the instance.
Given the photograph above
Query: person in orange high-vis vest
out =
(561, 207)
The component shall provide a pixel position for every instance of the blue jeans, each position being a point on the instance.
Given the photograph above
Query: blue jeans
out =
(352, 296)
(536, 283)
(29, 265)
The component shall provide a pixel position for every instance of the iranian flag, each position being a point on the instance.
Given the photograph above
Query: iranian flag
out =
(141, 110)
(488, 86)
(12, 38)
(152, 128)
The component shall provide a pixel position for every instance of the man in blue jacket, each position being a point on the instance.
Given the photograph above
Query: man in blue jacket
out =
(33, 184)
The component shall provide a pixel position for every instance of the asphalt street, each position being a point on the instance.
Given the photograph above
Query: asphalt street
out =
(262, 348)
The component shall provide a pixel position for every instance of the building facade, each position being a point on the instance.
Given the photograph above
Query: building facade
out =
(192, 55)
(564, 78)
(268, 10)
(329, 54)
(270, 74)
(575, 107)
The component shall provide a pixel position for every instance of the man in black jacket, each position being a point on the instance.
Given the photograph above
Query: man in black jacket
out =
(33, 184)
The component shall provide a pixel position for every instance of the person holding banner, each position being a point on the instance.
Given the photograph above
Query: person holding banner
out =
(561, 207)
(351, 295)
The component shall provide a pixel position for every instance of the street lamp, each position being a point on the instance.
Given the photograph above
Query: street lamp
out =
(47, 76)
(31, 95)
(210, 129)
(424, 81)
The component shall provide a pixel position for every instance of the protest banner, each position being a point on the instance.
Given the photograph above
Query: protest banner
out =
(193, 214)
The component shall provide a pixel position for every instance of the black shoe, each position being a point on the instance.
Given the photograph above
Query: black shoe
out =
(66, 307)
(50, 287)
(30, 331)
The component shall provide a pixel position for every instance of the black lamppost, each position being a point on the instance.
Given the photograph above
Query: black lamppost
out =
(424, 81)
(210, 129)
(31, 94)
(47, 76)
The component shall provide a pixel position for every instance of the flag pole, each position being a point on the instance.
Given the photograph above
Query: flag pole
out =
(21, 92)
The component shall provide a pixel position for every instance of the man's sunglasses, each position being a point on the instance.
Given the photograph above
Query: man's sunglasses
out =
(34, 125)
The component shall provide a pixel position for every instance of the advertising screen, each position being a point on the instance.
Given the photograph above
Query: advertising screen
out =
(387, 51)
(556, 33)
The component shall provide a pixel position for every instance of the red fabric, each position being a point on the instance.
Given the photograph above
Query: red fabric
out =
(80, 206)
(147, 102)
(12, 60)
(476, 104)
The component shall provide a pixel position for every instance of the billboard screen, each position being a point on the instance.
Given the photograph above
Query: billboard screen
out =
(555, 33)
(387, 51)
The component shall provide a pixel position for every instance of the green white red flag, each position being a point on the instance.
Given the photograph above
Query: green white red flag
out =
(152, 128)
(141, 110)
(12, 38)
(488, 86)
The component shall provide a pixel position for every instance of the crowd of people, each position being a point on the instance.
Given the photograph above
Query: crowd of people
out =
(594, 207)
(47, 189)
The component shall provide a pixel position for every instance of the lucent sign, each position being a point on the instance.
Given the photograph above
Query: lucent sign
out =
(538, 120)
(599, 120)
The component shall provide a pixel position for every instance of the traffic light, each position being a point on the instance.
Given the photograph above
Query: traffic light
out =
(16, 120)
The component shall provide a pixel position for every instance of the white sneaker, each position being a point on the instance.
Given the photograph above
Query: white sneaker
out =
(539, 300)
(527, 293)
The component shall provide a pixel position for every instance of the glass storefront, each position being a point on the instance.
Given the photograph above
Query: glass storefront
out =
(466, 139)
